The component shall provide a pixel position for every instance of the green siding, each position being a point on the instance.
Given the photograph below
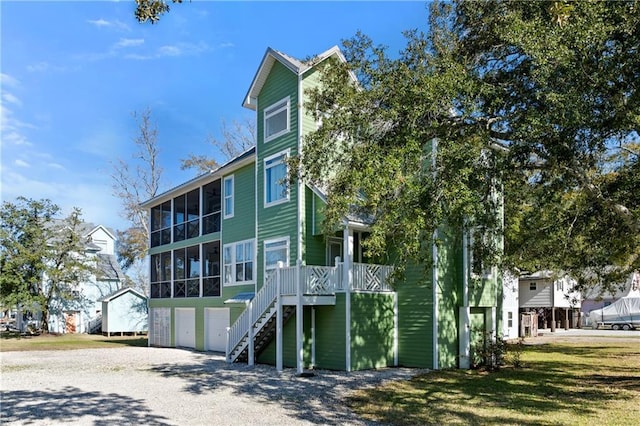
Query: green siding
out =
(415, 318)
(315, 248)
(268, 355)
(372, 330)
(279, 220)
(483, 292)
(330, 335)
(242, 225)
(449, 293)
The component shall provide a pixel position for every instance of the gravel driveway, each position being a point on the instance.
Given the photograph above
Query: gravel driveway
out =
(160, 386)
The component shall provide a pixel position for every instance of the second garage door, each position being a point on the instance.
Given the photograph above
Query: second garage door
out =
(185, 327)
(216, 321)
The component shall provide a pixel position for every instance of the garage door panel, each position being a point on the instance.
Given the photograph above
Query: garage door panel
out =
(216, 323)
(185, 327)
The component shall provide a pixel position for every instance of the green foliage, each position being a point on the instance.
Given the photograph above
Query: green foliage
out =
(536, 100)
(41, 257)
(151, 10)
(488, 351)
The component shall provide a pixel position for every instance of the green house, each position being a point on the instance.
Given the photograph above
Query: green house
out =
(239, 264)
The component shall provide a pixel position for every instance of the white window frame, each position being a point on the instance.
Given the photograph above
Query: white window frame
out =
(226, 196)
(274, 109)
(533, 286)
(233, 262)
(284, 155)
(287, 246)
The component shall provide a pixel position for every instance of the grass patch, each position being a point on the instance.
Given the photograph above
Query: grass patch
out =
(562, 383)
(49, 342)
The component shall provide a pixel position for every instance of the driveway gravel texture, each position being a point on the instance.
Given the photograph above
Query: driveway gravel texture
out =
(166, 386)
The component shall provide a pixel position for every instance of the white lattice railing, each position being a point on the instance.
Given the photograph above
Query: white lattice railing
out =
(369, 277)
(324, 280)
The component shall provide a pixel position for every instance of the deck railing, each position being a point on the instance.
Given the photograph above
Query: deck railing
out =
(315, 280)
(327, 280)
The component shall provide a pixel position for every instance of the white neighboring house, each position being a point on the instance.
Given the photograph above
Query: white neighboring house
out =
(553, 298)
(84, 313)
(510, 297)
(595, 298)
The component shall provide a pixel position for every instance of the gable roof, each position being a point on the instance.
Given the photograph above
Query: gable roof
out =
(89, 228)
(296, 66)
(120, 292)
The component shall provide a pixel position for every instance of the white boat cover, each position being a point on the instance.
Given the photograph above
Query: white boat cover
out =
(623, 309)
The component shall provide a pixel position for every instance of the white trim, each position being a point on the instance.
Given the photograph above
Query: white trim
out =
(233, 263)
(264, 250)
(273, 110)
(347, 235)
(299, 184)
(284, 154)
(436, 363)
(225, 214)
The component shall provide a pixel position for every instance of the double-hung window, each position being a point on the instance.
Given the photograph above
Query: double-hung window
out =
(275, 179)
(276, 119)
(228, 197)
(238, 260)
(276, 250)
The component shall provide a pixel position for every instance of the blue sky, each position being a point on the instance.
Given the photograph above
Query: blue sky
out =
(73, 72)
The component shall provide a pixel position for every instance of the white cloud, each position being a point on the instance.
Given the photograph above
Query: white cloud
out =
(169, 51)
(56, 166)
(7, 80)
(21, 163)
(45, 67)
(12, 128)
(103, 23)
(128, 42)
(10, 98)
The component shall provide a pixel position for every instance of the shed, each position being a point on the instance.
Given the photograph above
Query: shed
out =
(125, 311)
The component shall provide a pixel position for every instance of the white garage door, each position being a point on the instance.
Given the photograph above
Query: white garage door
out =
(216, 321)
(186, 327)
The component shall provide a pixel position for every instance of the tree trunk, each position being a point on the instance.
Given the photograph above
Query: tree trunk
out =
(44, 319)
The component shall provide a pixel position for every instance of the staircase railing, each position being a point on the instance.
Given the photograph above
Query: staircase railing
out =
(95, 324)
(263, 299)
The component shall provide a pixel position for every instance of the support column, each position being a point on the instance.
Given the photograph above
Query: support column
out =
(278, 319)
(299, 319)
(251, 351)
(553, 319)
(464, 326)
(313, 337)
(566, 318)
(347, 245)
(395, 329)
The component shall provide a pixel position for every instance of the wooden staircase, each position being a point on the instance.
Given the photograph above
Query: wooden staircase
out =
(264, 334)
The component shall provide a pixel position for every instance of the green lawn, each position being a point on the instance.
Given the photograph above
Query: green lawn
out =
(11, 342)
(574, 383)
